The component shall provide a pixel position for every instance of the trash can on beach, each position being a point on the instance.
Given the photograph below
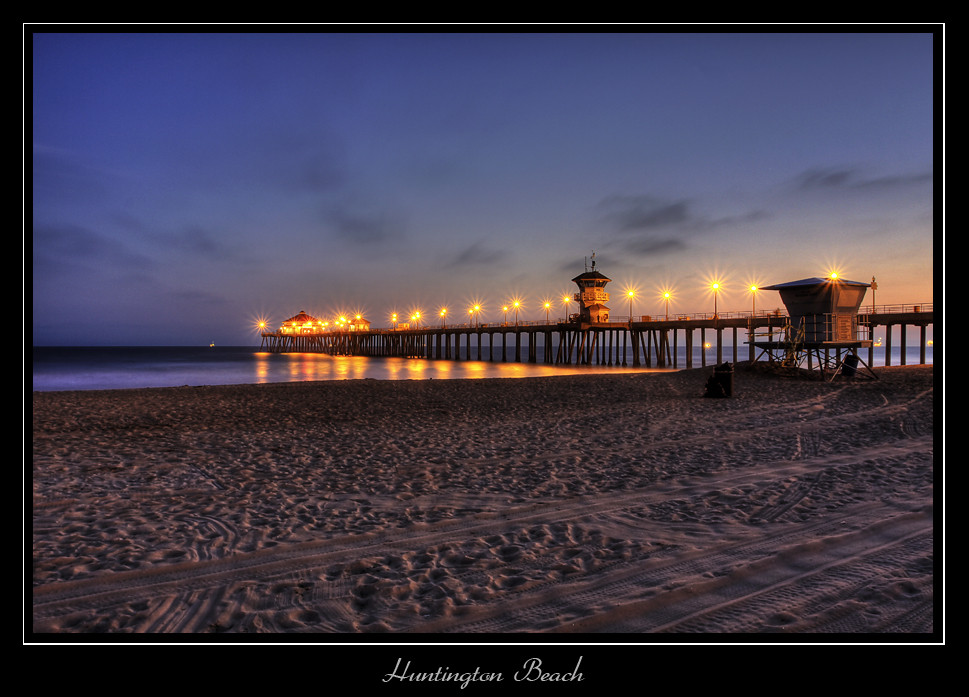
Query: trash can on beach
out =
(720, 383)
(850, 365)
(724, 375)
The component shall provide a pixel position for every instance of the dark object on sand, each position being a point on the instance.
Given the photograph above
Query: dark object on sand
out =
(720, 383)
(850, 366)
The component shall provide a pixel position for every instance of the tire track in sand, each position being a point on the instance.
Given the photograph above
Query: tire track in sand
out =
(202, 578)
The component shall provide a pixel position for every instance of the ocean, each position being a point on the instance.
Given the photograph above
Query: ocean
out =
(109, 368)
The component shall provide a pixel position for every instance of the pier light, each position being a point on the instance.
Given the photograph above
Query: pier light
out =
(504, 309)
(630, 294)
(547, 306)
(565, 300)
(443, 314)
(753, 300)
(393, 320)
(666, 296)
(715, 287)
(517, 304)
(260, 324)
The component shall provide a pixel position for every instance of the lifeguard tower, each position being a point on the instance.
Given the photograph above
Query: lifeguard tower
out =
(822, 318)
(591, 296)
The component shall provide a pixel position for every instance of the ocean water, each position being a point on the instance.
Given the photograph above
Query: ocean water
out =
(103, 368)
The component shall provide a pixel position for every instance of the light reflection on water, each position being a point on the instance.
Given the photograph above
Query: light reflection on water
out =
(101, 368)
(297, 367)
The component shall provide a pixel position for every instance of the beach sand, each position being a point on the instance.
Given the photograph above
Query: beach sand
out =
(595, 504)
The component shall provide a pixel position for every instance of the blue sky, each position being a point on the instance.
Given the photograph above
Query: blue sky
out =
(184, 185)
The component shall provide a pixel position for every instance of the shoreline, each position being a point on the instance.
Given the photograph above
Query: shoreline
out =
(124, 368)
(598, 503)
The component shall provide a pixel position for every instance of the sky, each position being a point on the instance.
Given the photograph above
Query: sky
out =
(186, 185)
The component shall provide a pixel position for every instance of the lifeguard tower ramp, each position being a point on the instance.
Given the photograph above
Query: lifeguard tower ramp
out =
(822, 330)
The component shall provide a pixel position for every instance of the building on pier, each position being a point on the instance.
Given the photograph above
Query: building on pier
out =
(592, 296)
(352, 324)
(822, 317)
(827, 308)
(305, 324)
(301, 323)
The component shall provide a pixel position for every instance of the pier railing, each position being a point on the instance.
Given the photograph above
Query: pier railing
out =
(768, 314)
(765, 314)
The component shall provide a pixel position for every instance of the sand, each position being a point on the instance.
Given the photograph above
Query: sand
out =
(615, 504)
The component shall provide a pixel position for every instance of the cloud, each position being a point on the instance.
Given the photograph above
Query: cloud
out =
(655, 246)
(299, 163)
(197, 242)
(652, 226)
(58, 173)
(197, 298)
(191, 241)
(72, 244)
(364, 224)
(895, 183)
(643, 212)
(815, 179)
(852, 179)
(478, 255)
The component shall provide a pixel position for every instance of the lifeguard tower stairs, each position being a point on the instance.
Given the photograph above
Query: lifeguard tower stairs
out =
(822, 330)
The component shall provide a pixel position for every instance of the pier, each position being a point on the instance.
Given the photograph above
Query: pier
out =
(646, 341)
(823, 315)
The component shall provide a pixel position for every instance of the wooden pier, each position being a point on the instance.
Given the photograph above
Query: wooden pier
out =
(646, 343)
